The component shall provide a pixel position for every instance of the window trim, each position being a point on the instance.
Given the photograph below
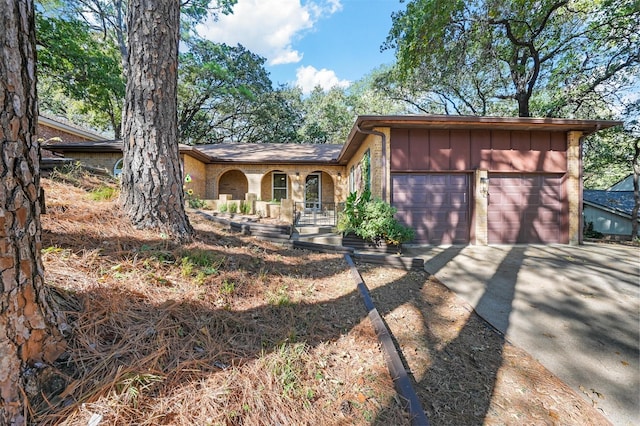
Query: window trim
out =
(117, 171)
(274, 187)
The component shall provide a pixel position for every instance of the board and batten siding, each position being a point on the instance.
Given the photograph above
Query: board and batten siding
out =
(493, 150)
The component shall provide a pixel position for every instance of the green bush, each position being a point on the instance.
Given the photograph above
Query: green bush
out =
(372, 220)
(195, 202)
(245, 208)
(222, 208)
(103, 193)
(233, 208)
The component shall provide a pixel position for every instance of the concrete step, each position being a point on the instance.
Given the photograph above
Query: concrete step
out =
(328, 238)
(314, 229)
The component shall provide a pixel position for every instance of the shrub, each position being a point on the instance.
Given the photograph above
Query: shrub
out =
(223, 208)
(372, 220)
(193, 201)
(589, 232)
(103, 193)
(233, 208)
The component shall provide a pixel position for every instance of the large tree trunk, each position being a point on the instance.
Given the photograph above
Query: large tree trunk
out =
(29, 334)
(152, 191)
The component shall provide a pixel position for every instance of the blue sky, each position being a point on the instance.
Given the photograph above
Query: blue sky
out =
(309, 43)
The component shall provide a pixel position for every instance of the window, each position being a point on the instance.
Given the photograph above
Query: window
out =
(117, 168)
(279, 186)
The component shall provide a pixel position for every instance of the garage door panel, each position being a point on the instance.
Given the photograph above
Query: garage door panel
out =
(527, 209)
(544, 216)
(418, 197)
(435, 205)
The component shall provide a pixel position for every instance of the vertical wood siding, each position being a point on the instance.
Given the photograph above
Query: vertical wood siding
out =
(497, 150)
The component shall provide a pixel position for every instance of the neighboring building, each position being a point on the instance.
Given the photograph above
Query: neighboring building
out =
(610, 210)
(52, 131)
(625, 184)
(454, 179)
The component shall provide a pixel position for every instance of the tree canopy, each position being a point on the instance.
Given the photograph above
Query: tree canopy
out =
(74, 60)
(225, 95)
(525, 57)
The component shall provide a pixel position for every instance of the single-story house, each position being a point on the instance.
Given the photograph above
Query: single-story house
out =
(454, 179)
(51, 131)
(610, 210)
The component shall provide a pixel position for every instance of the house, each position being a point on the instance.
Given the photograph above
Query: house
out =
(610, 210)
(51, 131)
(454, 179)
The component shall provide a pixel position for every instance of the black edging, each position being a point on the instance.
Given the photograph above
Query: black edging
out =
(394, 363)
(282, 234)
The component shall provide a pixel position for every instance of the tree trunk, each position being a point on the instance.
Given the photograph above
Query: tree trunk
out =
(636, 190)
(152, 187)
(29, 334)
(523, 105)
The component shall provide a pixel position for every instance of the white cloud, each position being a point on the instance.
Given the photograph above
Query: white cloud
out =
(307, 78)
(268, 27)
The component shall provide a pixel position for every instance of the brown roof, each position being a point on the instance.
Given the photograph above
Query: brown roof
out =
(340, 154)
(93, 146)
(476, 122)
(271, 152)
(227, 152)
(70, 127)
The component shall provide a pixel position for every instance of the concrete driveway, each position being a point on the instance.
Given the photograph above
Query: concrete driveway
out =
(576, 309)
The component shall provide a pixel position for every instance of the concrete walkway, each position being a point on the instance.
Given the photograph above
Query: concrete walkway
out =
(576, 309)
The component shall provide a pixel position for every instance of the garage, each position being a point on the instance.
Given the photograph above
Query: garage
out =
(435, 205)
(528, 208)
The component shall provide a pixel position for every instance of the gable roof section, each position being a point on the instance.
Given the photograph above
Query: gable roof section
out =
(625, 184)
(70, 128)
(619, 202)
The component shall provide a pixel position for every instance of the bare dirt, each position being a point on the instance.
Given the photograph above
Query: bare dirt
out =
(231, 330)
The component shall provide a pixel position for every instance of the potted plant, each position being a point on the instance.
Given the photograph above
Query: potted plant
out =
(368, 224)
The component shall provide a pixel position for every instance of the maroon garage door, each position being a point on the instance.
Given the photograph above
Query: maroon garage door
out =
(435, 205)
(527, 208)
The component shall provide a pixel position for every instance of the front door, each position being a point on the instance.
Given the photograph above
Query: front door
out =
(312, 192)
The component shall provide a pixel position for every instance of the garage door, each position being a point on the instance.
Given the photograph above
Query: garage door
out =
(435, 205)
(527, 208)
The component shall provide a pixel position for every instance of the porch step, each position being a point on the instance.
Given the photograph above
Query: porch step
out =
(332, 238)
(313, 229)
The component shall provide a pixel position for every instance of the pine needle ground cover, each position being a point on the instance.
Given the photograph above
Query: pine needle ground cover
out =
(231, 330)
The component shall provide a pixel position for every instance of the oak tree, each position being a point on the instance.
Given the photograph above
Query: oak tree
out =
(548, 57)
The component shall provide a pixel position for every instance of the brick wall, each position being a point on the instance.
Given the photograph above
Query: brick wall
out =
(574, 192)
(198, 172)
(373, 144)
